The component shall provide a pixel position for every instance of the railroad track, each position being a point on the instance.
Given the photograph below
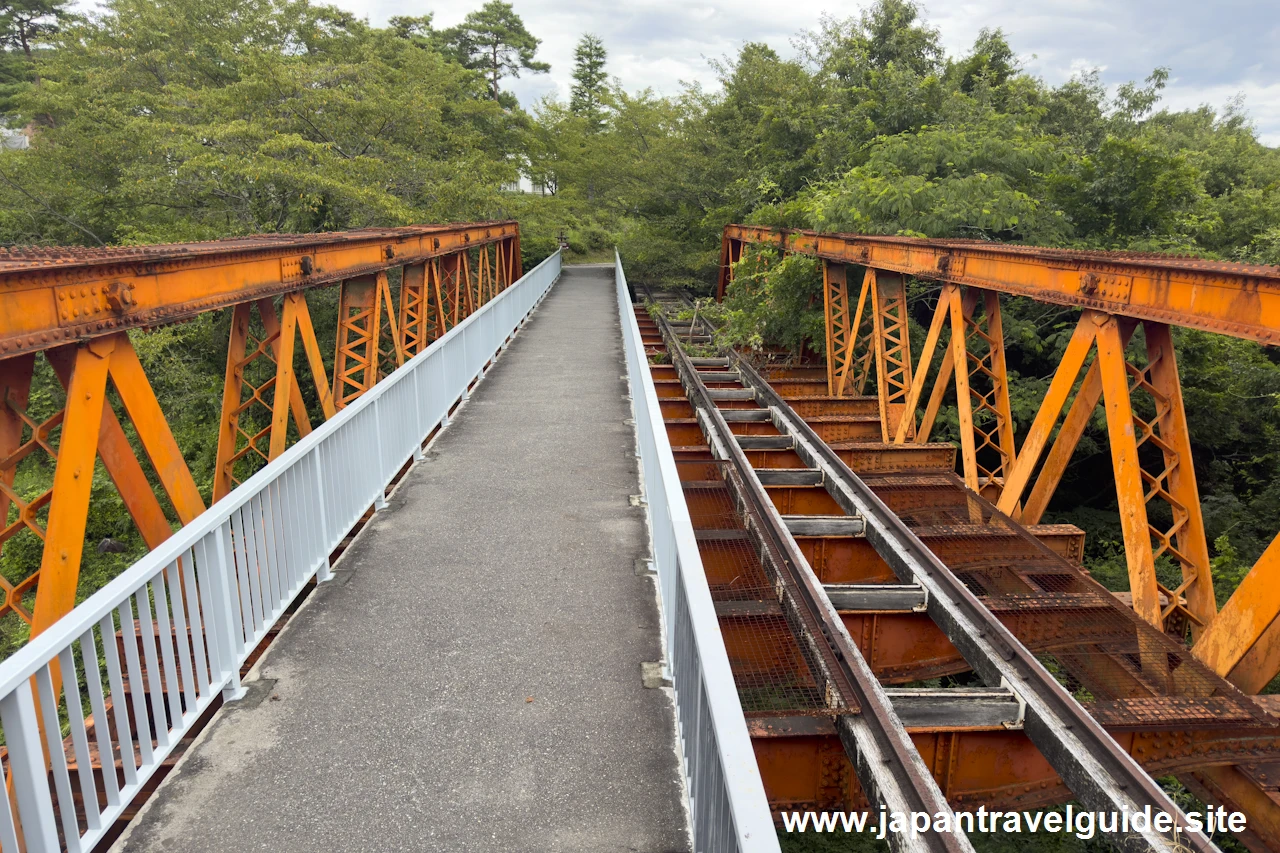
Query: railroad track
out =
(814, 533)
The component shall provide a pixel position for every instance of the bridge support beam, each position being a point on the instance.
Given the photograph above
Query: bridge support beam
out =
(253, 423)
(1113, 378)
(976, 345)
(892, 336)
(1243, 643)
(416, 319)
(89, 430)
(359, 361)
(835, 294)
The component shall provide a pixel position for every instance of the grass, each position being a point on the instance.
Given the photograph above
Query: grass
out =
(591, 256)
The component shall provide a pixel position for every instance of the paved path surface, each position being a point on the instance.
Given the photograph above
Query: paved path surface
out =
(394, 712)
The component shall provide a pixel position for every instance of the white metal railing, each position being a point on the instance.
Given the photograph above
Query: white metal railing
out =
(189, 612)
(726, 796)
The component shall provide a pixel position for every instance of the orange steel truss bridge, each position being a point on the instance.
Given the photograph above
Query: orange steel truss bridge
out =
(76, 307)
(825, 569)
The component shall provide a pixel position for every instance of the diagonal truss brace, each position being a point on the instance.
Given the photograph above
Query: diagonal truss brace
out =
(1151, 460)
(242, 434)
(91, 429)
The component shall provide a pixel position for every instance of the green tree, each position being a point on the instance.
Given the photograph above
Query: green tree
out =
(887, 33)
(26, 23)
(764, 126)
(992, 61)
(881, 73)
(894, 32)
(417, 29)
(494, 40)
(194, 119)
(589, 96)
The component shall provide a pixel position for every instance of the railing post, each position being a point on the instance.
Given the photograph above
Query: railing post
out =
(380, 500)
(462, 345)
(417, 413)
(225, 627)
(323, 572)
(26, 763)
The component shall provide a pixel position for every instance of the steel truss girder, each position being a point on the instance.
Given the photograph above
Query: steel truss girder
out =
(730, 254)
(982, 387)
(1227, 298)
(96, 292)
(358, 362)
(989, 455)
(88, 429)
(47, 303)
(883, 339)
(275, 346)
(888, 767)
(1233, 299)
(1100, 774)
(1114, 379)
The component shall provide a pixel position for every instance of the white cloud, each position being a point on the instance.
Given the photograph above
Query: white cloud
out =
(1214, 50)
(1261, 103)
(652, 43)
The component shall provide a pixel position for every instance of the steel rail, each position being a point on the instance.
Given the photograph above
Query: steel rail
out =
(1091, 764)
(889, 768)
(56, 296)
(1242, 300)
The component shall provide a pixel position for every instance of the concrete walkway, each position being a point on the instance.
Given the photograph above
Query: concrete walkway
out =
(471, 678)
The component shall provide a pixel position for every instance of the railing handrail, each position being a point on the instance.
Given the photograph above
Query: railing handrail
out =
(743, 788)
(40, 650)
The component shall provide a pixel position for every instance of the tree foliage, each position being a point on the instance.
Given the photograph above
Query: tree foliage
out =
(195, 119)
(26, 24)
(589, 97)
(494, 40)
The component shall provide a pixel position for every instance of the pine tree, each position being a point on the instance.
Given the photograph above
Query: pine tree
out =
(590, 94)
(494, 40)
(24, 23)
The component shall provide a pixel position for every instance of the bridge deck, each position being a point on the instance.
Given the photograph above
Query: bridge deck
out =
(471, 678)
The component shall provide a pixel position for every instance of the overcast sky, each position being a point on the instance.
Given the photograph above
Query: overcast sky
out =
(1216, 50)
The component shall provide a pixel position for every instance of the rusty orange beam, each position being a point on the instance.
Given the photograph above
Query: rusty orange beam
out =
(1242, 300)
(76, 305)
(1243, 643)
(57, 296)
(804, 767)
